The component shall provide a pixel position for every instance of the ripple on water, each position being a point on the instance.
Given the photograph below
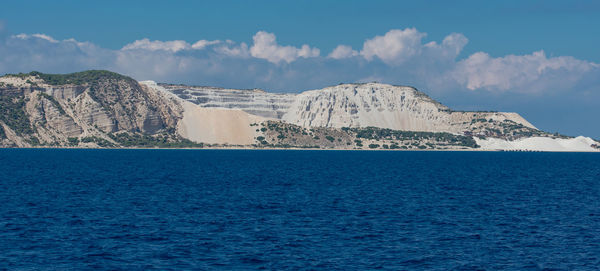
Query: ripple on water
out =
(168, 209)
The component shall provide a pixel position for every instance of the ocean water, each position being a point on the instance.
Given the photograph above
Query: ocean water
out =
(323, 210)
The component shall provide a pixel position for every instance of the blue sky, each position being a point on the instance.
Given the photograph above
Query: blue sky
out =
(538, 58)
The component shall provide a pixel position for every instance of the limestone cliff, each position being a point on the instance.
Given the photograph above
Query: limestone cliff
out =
(360, 105)
(86, 108)
(104, 109)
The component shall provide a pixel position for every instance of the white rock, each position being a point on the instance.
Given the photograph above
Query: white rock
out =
(580, 143)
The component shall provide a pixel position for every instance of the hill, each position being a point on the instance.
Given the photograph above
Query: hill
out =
(99, 108)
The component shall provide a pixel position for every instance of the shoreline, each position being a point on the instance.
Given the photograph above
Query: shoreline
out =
(302, 149)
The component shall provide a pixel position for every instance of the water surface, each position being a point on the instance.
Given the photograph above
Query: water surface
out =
(330, 210)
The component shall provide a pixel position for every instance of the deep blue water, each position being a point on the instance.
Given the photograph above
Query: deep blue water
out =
(330, 210)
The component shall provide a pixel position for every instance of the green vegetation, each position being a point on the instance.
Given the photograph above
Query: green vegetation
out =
(2, 134)
(12, 113)
(330, 138)
(260, 138)
(101, 142)
(373, 146)
(479, 120)
(374, 133)
(53, 101)
(34, 141)
(73, 141)
(160, 141)
(78, 78)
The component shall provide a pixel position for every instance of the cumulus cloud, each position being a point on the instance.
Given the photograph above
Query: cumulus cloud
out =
(395, 47)
(146, 44)
(450, 47)
(342, 51)
(533, 72)
(172, 45)
(265, 46)
(233, 50)
(397, 57)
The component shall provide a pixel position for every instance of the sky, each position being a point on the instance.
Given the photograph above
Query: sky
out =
(538, 58)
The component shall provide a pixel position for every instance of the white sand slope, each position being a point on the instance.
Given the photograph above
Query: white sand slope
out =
(580, 143)
(217, 125)
(213, 125)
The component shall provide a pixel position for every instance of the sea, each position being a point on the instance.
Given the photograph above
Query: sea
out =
(75, 209)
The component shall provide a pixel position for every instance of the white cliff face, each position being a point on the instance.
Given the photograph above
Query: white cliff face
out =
(580, 144)
(255, 102)
(210, 124)
(361, 105)
(346, 105)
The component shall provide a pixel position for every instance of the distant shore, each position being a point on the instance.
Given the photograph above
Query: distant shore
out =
(304, 149)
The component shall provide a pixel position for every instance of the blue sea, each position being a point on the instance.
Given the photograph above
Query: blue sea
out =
(317, 210)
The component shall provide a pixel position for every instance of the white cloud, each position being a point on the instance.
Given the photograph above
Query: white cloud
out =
(524, 73)
(39, 36)
(201, 44)
(405, 60)
(342, 51)
(265, 46)
(395, 47)
(451, 46)
(230, 49)
(156, 45)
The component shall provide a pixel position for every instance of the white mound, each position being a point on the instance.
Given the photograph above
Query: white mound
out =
(213, 125)
(217, 125)
(580, 143)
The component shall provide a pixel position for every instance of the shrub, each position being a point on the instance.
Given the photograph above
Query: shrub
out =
(53, 101)
(12, 113)
(373, 146)
(79, 78)
(73, 141)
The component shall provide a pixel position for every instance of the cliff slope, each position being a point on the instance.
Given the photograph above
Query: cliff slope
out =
(92, 108)
(104, 109)
(360, 105)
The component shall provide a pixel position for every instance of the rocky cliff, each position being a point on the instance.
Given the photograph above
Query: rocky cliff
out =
(360, 105)
(89, 108)
(105, 109)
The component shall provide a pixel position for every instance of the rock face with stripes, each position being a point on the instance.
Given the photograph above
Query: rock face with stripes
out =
(104, 109)
(346, 105)
(254, 101)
